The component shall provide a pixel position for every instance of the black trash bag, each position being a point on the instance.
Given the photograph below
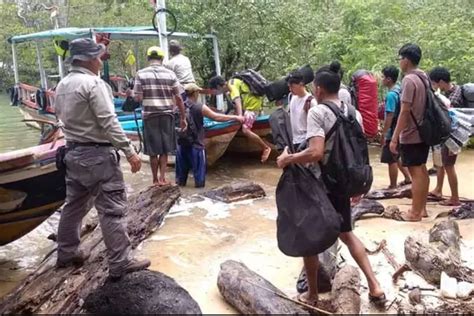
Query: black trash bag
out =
(307, 223)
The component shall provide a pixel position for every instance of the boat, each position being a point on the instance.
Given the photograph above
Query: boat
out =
(31, 189)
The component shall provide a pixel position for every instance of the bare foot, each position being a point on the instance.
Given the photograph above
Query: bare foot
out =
(306, 299)
(265, 154)
(163, 182)
(450, 202)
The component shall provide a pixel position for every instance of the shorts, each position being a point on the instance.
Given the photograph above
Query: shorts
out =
(447, 157)
(342, 205)
(387, 156)
(250, 118)
(159, 136)
(414, 154)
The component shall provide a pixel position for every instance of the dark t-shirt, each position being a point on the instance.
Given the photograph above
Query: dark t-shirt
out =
(195, 111)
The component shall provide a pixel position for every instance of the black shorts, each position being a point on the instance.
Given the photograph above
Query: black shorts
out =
(447, 158)
(387, 156)
(159, 136)
(414, 154)
(343, 207)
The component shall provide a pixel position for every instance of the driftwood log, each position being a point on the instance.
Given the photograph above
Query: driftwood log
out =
(141, 293)
(250, 293)
(440, 254)
(235, 192)
(366, 206)
(403, 191)
(345, 291)
(52, 291)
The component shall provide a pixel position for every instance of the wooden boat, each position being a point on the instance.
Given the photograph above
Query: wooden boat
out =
(31, 189)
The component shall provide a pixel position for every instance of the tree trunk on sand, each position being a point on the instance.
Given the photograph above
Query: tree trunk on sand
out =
(345, 291)
(236, 191)
(250, 293)
(366, 206)
(397, 193)
(52, 291)
(440, 254)
(141, 293)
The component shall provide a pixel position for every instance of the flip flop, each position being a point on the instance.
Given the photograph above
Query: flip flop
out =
(404, 182)
(403, 218)
(266, 153)
(434, 197)
(300, 298)
(449, 203)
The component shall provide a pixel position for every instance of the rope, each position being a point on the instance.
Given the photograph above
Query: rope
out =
(156, 26)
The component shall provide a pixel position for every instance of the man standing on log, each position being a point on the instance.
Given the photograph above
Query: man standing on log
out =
(321, 120)
(84, 104)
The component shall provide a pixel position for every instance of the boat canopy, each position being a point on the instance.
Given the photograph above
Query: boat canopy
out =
(117, 33)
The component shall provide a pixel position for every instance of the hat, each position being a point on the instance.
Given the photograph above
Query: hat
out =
(155, 51)
(175, 43)
(192, 87)
(84, 49)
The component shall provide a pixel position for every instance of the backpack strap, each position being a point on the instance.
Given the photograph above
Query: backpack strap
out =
(307, 103)
(338, 113)
(426, 90)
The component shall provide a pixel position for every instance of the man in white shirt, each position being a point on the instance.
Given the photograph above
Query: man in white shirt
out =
(179, 64)
(300, 101)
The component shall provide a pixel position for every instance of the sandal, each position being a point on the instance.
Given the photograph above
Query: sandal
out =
(403, 217)
(302, 299)
(434, 197)
(449, 203)
(404, 182)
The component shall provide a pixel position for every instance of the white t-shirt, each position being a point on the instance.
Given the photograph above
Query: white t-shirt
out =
(181, 66)
(299, 117)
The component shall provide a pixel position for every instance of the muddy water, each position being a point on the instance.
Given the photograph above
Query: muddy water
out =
(199, 235)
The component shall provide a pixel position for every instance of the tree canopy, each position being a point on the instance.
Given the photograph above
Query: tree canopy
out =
(274, 36)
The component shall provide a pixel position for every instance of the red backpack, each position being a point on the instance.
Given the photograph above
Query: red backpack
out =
(364, 94)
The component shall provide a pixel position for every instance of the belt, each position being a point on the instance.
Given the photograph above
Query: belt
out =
(87, 144)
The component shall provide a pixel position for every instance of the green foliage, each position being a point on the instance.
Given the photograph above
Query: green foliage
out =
(277, 36)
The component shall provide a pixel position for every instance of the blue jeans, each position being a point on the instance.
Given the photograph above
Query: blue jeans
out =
(190, 158)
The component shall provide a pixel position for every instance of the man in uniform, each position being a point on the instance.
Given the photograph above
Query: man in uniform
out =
(93, 135)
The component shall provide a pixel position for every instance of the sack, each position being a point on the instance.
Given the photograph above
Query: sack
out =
(130, 105)
(188, 136)
(347, 171)
(254, 80)
(364, 93)
(307, 223)
(435, 126)
(468, 95)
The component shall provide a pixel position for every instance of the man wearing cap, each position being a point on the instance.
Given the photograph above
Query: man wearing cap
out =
(84, 104)
(179, 64)
(190, 154)
(159, 91)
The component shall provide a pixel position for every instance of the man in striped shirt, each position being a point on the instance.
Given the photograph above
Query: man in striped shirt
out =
(159, 91)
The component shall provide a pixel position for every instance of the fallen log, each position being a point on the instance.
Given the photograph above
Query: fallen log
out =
(236, 191)
(52, 291)
(366, 206)
(141, 293)
(244, 290)
(400, 192)
(440, 254)
(345, 291)
(326, 272)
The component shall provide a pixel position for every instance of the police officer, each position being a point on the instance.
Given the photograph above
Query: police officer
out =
(84, 104)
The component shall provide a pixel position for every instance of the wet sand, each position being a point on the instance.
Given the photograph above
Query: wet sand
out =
(199, 235)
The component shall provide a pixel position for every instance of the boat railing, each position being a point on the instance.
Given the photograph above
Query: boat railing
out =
(28, 96)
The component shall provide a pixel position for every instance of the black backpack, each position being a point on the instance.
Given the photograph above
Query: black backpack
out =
(435, 126)
(189, 136)
(256, 82)
(347, 171)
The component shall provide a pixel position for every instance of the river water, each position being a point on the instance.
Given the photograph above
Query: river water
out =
(198, 235)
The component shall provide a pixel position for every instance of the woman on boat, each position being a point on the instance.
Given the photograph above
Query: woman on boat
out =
(190, 153)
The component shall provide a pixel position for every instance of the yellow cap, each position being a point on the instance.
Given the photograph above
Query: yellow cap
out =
(155, 51)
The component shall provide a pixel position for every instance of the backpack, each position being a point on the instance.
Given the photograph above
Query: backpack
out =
(468, 94)
(256, 82)
(364, 93)
(347, 172)
(435, 126)
(189, 136)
